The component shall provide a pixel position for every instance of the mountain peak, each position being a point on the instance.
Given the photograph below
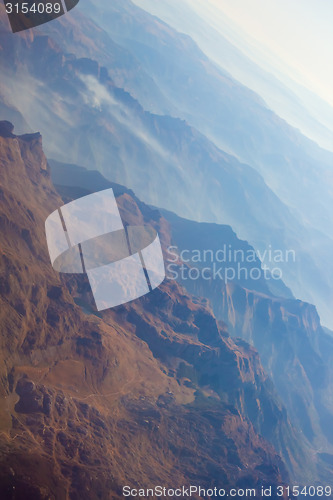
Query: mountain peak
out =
(6, 129)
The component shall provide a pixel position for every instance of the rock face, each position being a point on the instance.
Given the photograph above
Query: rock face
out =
(288, 334)
(152, 392)
(295, 350)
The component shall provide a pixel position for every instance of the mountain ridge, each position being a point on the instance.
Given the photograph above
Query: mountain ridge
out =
(91, 120)
(66, 375)
(245, 318)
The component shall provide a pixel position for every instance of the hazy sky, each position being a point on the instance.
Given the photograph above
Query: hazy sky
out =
(299, 32)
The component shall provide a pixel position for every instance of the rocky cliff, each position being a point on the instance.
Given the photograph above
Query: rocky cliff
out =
(152, 392)
(295, 350)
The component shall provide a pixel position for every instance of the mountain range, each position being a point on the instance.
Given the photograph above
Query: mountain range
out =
(218, 382)
(286, 332)
(148, 392)
(95, 118)
(250, 63)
